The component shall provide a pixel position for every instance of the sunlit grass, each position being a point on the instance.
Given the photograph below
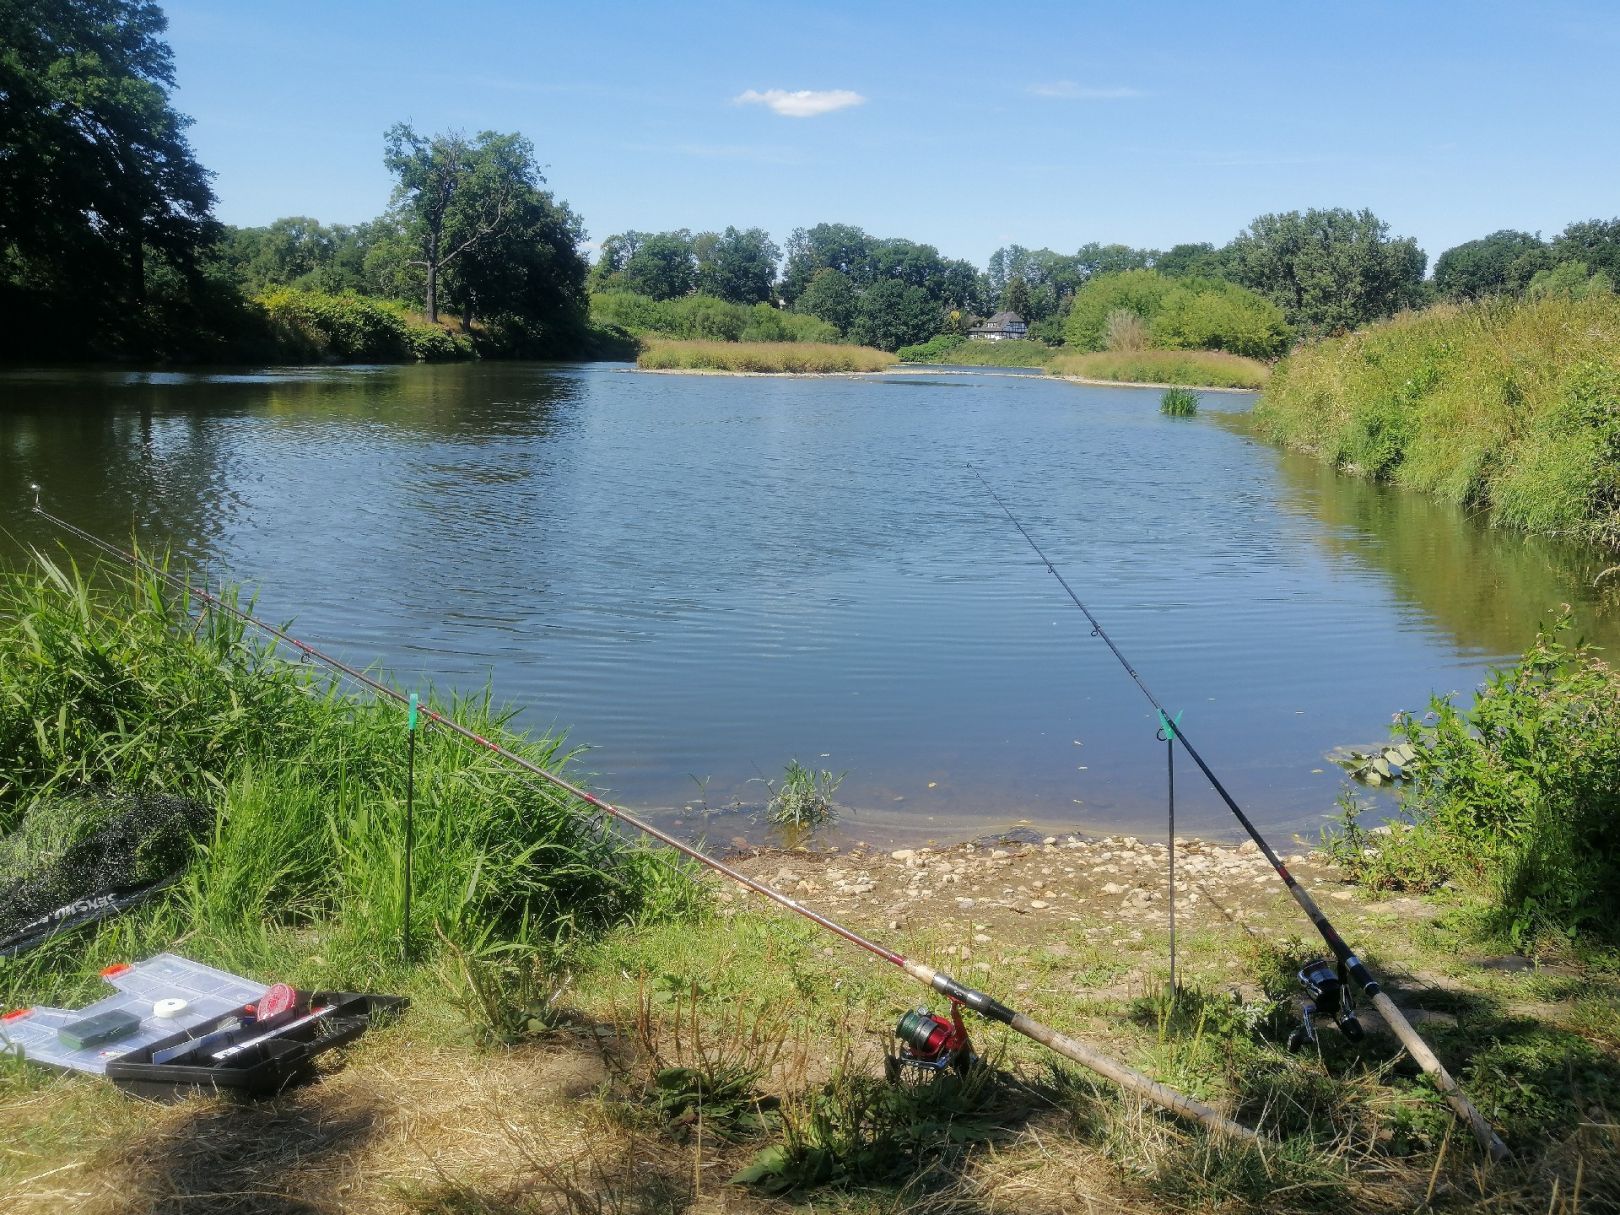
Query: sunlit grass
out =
(1199, 368)
(789, 357)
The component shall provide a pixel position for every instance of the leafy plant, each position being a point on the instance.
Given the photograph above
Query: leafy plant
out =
(804, 798)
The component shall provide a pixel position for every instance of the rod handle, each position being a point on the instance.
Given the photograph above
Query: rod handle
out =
(1449, 1089)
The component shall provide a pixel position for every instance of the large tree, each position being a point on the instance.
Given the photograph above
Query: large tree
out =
(532, 283)
(831, 297)
(893, 314)
(1595, 242)
(841, 247)
(663, 266)
(1489, 266)
(739, 266)
(1329, 270)
(455, 196)
(96, 176)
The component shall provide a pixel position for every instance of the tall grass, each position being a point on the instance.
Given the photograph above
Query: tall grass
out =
(316, 325)
(1199, 368)
(1510, 406)
(108, 683)
(792, 357)
(1179, 402)
(968, 353)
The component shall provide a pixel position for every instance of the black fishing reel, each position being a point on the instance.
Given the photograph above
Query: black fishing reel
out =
(1327, 994)
(930, 1044)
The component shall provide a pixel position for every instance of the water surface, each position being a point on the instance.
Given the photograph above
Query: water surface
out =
(702, 578)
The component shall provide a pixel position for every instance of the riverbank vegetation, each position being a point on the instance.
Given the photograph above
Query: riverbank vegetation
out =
(705, 318)
(1502, 405)
(953, 348)
(795, 358)
(1194, 368)
(585, 1022)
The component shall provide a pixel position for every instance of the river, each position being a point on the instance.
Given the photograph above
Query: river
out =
(701, 578)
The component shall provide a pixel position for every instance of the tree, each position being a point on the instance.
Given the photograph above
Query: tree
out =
(1098, 259)
(532, 283)
(96, 175)
(1016, 298)
(841, 247)
(1201, 260)
(1329, 270)
(1595, 242)
(830, 297)
(1138, 291)
(739, 266)
(662, 266)
(1569, 280)
(1489, 266)
(1212, 314)
(456, 195)
(893, 314)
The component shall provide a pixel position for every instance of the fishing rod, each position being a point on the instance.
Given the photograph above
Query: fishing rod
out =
(958, 994)
(1349, 963)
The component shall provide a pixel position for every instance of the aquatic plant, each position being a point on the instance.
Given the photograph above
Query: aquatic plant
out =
(1179, 402)
(804, 798)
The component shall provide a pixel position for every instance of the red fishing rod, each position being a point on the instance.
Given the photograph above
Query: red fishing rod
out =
(1352, 966)
(958, 994)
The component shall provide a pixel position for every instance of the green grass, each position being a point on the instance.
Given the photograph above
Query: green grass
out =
(778, 357)
(968, 353)
(354, 328)
(1198, 368)
(1507, 406)
(108, 684)
(1179, 402)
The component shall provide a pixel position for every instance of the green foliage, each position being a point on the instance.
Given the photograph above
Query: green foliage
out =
(98, 184)
(703, 317)
(868, 261)
(1179, 402)
(1595, 242)
(1489, 266)
(1209, 314)
(935, 350)
(1572, 280)
(736, 266)
(1202, 260)
(803, 798)
(1504, 405)
(1329, 270)
(797, 358)
(355, 328)
(1139, 291)
(1517, 797)
(892, 314)
(1201, 368)
(831, 297)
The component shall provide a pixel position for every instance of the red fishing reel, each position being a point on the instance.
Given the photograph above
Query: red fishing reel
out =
(930, 1043)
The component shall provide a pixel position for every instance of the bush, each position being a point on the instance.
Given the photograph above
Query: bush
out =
(1207, 314)
(313, 325)
(1503, 405)
(1137, 291)
(706, 318)
(1125, 331)
(1518, 797)
(934, 350)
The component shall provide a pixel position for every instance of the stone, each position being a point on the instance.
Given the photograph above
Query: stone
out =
(902, 854)
(1114, 888)
(964, 904)
(999, 854)
(1038, 905)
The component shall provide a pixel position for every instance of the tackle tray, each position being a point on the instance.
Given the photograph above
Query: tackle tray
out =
(282, 1058)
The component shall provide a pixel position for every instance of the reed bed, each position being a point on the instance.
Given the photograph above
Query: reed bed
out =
(1194, 368)
(793, 358)
(1507, 406)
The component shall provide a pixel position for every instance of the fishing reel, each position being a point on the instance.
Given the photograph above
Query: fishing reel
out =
(1327, 994)
(930, 1044)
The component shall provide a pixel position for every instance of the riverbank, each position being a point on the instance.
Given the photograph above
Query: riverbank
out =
(1504, 406)
(795, 358)
(1200, 369)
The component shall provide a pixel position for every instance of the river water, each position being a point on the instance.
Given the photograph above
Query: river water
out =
(701, 578)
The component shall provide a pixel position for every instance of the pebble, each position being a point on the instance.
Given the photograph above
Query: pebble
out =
(1114, 888)
(1000, 854)
(964, 904)
(1038, 905)
(903, 854)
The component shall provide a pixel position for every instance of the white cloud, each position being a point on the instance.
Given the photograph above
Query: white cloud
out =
(802, 103)
(1068, 90)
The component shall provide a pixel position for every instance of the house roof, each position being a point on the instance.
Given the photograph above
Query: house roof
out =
(1002, 320)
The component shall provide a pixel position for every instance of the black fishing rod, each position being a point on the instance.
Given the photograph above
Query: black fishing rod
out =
(958, 994)
(1349, 963)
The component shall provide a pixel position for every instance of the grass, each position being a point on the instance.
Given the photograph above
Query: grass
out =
(968, 353)
(803, 798)
(315, 325)
(1511, 407)
(798, 358)
(1179, 402)
(1199, 368)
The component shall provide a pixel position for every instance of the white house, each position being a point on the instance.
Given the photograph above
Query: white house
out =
(1000, 328)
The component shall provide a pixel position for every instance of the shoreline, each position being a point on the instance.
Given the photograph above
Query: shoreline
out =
(924, 369)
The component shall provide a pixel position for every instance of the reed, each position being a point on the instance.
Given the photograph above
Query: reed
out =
(1507, 406)
(1198, 368)
(796, 358)
(1179, 402)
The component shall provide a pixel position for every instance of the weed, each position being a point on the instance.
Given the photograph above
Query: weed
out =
(804, 798)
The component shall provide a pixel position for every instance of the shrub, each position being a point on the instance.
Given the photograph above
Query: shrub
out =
(1207, 314)
(1138, 291)
(706, 318)
(313, 325)
(1125, 331)
(1518, 797)
(934, 350)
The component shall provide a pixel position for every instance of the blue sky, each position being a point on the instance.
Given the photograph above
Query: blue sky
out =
(965, 126)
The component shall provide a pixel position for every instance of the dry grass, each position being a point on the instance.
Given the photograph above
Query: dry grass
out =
(795, 358)
(1191, 368)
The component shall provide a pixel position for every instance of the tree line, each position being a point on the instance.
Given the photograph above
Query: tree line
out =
(109, 245)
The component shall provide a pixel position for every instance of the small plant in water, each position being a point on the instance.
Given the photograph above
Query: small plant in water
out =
(804, 798)
(1179, 402)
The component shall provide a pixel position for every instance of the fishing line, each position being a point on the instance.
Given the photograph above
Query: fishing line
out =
(958, 994)
(1353, 966)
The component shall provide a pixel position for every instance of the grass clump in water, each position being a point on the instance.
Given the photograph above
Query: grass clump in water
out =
(1201, 368)
(797, 358)
(1179, 402)
(1506, 405)
(804, 798)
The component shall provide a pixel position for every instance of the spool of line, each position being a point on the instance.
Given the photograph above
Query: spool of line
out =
(164, 1010)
